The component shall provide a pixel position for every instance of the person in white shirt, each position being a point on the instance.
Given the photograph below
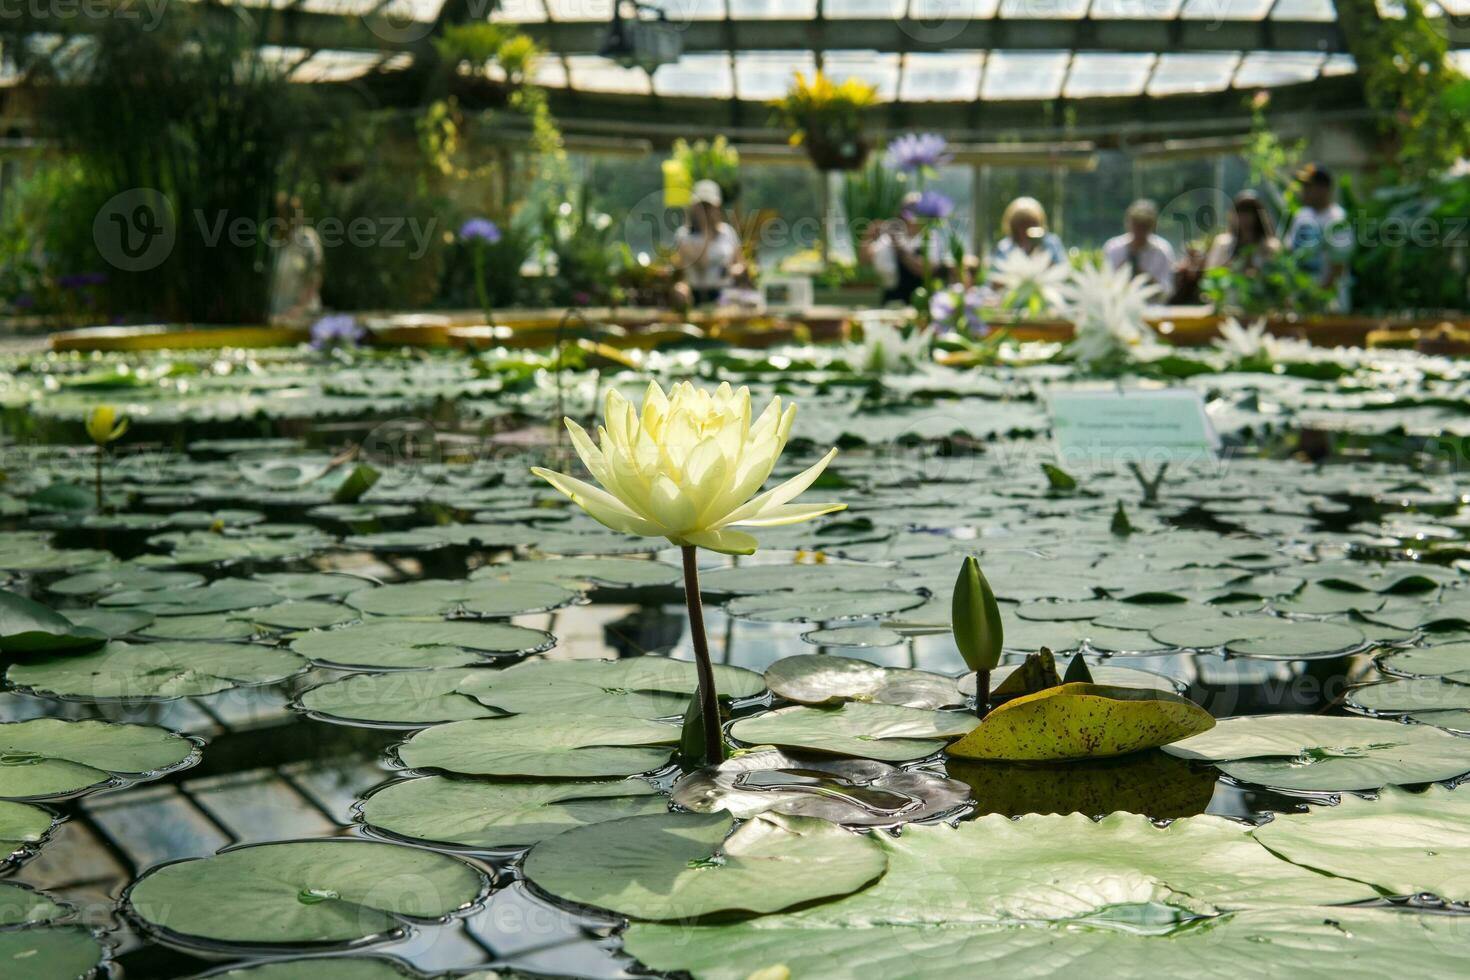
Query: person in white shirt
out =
(1142, 251)
(1320, 232)
(707, 248)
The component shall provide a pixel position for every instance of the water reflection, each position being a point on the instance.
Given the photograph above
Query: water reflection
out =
(1149, 783)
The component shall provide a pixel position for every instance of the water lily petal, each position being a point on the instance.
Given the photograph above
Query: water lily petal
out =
(782, 494)
(601, 505)
(792, 514)
(725, 541)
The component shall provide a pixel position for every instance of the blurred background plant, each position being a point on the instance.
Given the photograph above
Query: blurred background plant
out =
(828, 119)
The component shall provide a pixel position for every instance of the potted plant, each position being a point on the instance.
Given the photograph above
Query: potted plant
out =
(827, 118)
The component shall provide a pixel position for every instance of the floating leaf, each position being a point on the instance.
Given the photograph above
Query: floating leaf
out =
(1266, 637)
(856, 792)
(820, 679)
(483, 814)
(1080, 721)
(875, 731)
(439, 598)
(153, 671)
(325, 968)
(396, 644)
(22, 906)
(325, 891)
(820, 607)
(636, 687)
(1450, 661)
(683, 865)
(112, 623)
(582, 573)
(854, 636)
(27, 626)
(51, 953)
(298, 614)
(528, 745)
(1324, 754)
(1403, 843)
(22, 824)
(47, 758)
(406, 698)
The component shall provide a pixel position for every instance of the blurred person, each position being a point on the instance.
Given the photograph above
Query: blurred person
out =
(1251, 241)
(1320, 232)
(707, 248)
(1188, 273)
(1142, 251)
(898, 252)
(1024, 221)
(297, 271)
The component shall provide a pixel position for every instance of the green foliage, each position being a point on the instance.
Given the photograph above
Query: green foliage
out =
(713, 160)
(1280, 285)
(1412, 244)
(870, 195)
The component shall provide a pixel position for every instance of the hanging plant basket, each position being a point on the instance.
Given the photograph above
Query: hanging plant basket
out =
(840, 154)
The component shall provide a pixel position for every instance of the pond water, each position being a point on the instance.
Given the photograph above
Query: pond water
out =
(367, 670)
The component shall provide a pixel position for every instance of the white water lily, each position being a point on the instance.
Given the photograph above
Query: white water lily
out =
(1250, 343)
(687, 467)
(885, 349)
(1107, 309)
(1021, 278)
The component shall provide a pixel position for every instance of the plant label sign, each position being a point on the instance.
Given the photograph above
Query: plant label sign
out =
(1146, 428)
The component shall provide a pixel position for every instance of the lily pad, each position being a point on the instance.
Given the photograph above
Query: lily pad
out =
(1080, 721)
(404, 698)
(121, 578)
(50, 953)
(440, 598)
(1265, 637)
(875, 731)
(303, 892)
(637, 687)
(298, 614)
(482, 814)
(156, 671)
(1429, 700)
(403, 644)
(595, 747)
(1402, 843)
(47, 758)
(819, 679)
(313, 585)
(319, 968)
(781, 578)
(1453, 613)
(209, 626)
(821, 606)
(112, 623)
(583, 573)
(1450, 661)
(26, 626)
(854, 636)
(224, 595)
(856, 792)
(1325, 754)
(22, 824)
(683, 866)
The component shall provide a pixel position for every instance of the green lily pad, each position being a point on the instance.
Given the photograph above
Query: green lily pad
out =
(1104, 673)
(26, 626)
(47, 758)
(1265, 637)
(298, 892)
(209, 626)
(22, 906)
(819, 679)
(405, 698)
(1402, 843)
(855, 792)
(596, 747)
(112, 623)
(821, 606)
(1080, 721)
(483, 815)
(400, 644)
(224, 595)
(782, 578)
(1325, 754)
(156, 671)
(440, 598)
(583, 573)
(313, 585)
(21, 823)
(1451, 613)
(320, 968)
(1363, 943)
(1428, 700)
(637, 687)
(1450, 661)
(124, 578)
(875, 731)
(854, 636)
(683, 865)
(51, 953)
(298, 614)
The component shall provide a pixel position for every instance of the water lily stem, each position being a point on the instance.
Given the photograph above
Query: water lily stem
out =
(709, 704)
(982, 693)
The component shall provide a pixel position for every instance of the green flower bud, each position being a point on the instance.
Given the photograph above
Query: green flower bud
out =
(976, 614)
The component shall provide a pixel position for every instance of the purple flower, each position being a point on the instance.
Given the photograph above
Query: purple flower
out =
(955, 308)
(480, 230)
(335, 330)
(917, 151)
(931, 205)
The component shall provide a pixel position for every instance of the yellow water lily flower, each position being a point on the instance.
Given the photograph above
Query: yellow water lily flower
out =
(104, 426)
(687, 467)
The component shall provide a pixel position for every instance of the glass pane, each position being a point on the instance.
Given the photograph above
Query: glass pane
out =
(1277, 68)
(550, 72)
(878, 70)
(1043, 9)
(705, 76)
(773, 9)
(519, 11)
(942, 20)
(683, 11)
(579, 9)
(1135, 9)
(1225, 9)
(1338, 64)
(953, 76)
(864, 9)
(1194, 72)
(1094, 75)
(1320, 11)
(593, 74)
(335, 66)
(1024, 75)
(763, 75)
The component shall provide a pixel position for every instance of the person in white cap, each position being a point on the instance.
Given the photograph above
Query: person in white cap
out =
(707, 247)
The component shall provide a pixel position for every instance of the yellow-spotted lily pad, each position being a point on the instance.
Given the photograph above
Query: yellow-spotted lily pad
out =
(1080, 721)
